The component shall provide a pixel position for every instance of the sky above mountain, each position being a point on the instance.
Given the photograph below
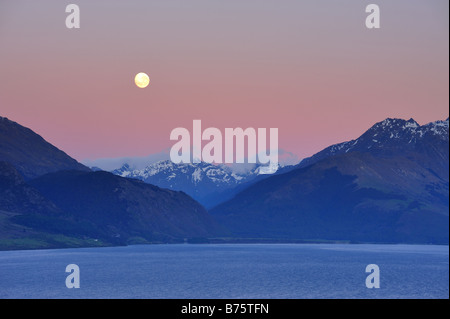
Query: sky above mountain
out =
(310, 68)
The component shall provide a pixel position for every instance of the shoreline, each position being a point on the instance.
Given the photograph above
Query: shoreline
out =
(221, 241)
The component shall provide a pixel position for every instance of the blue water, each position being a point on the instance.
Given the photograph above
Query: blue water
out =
(228, 271)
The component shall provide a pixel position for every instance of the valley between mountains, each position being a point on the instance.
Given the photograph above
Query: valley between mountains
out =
(390, 185)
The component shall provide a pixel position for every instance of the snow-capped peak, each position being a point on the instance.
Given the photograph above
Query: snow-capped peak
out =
(389, 133)
(195, 172)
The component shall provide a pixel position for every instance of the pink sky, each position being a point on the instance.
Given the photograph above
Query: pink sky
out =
(309, 68)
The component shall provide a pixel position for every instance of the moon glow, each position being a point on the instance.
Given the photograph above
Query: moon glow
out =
(142, 80)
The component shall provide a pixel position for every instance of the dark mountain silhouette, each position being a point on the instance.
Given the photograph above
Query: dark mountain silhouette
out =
(19, 197)
(30, 154)
(389, 185)
(29, 220)
(72, 206)
(125, 208)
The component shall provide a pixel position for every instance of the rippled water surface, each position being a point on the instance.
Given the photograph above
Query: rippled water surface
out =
(228, 271)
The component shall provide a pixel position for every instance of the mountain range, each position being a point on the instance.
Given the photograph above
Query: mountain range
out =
(209, 184)
(49, 200)
(389, 185)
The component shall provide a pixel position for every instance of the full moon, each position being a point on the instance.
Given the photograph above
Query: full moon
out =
(142, 80)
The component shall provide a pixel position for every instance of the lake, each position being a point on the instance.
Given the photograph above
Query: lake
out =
(241, 271)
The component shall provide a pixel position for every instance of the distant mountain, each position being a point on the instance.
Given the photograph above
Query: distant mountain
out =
(74, 207)
(389, 185)
(207, 183)
(30, 154)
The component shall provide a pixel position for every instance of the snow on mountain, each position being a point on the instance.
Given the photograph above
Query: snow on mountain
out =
(391, 184)
(192, 172)
(207, 183)
(201, 180)
(384, 135)
(439, 128)
(211, 183)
